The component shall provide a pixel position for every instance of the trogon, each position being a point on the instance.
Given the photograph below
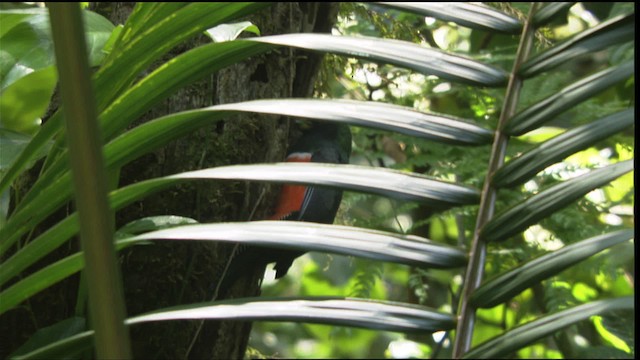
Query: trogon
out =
(322, 142)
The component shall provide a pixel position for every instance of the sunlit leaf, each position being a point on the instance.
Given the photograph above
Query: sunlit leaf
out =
(293, 235)
(475, 16)
(565, 99)
(614, 31)
(545, 203)
(396, 184)
(504, 286)
(152, 223)
(25, 101)
(227, 32)
(27, 45)
(549, 11)
(382, 315)
(522, 168)
(401, 53)
(530, 332)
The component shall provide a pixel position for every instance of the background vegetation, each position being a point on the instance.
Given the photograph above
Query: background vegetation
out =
(605, 210)
(605, 275)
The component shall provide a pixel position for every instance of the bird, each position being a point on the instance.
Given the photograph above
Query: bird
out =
(321, 142)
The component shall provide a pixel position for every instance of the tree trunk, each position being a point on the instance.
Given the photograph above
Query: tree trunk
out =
(167, 273)
(164, 273)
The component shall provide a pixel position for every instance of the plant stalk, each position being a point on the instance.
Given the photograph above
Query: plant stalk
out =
(475, 267)
(106, 301)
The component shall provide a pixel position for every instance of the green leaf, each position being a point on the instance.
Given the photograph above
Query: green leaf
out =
(144, 16)
(12, 143)
(474, 16)
(27, 45)
(401, 53)
(67, 348)
(614, 31)
(382, 315)
(118, 72)
(539, 206)
(522, 168)
(406, 249)
(49, 195)
(40, 280)
(526, 334)
(504, 286)
(26, 100)
(370, 314)
(392, 183)
(152, 223)
(50, 334)
(134, 56)
(567, 98)
(344, 240)
(39, 247)
(550, 11)
(179, 72)
(446, 129)
(227, 32)
(436, 194)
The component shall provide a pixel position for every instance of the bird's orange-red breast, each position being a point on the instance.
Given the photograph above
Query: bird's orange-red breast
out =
(291, 196)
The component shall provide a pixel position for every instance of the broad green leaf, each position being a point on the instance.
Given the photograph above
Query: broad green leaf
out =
(118, 71)
(228, 32)
(528, 333)
(567, 98)
(51, 334)
(344, 240)
(401, 53)
(12, 143)
(137, 54)
(522, 168)
(25, 101)
(549, 11)
(31, 152)
(543, 204)
(370, 314)
(14, 17)
(504, 286)
(27, 44)
(180, 71)
(614, 31)
(475, 16)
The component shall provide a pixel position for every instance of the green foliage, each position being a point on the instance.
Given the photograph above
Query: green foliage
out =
(363, 80)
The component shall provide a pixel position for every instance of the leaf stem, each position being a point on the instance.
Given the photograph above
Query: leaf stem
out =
(475, 268)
